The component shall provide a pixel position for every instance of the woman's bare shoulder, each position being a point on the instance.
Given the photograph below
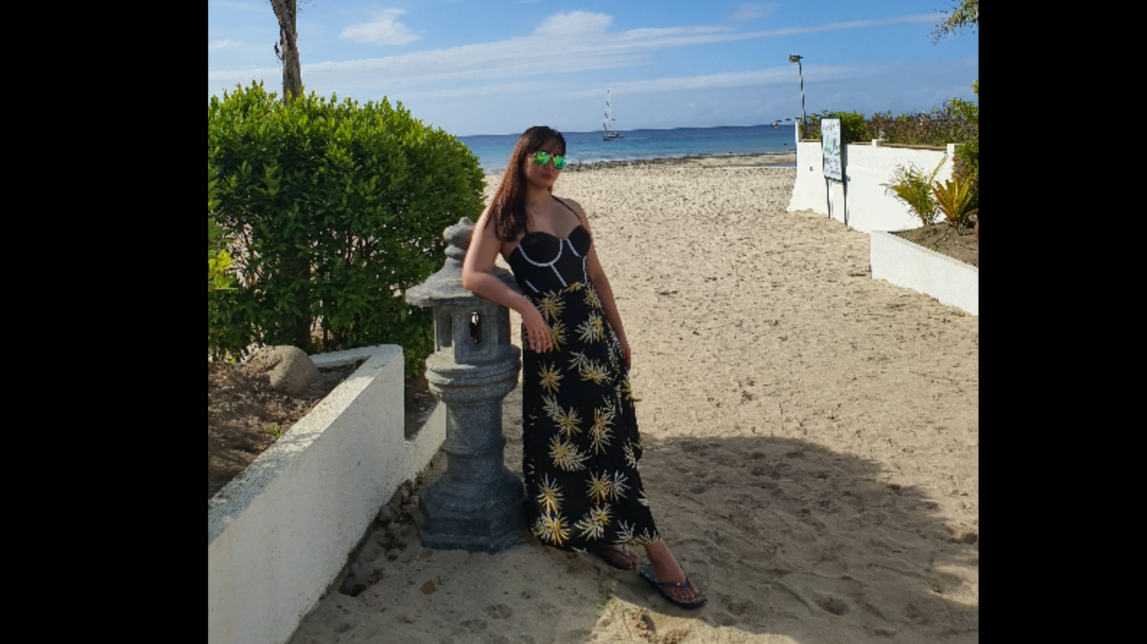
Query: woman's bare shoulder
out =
(578, 210)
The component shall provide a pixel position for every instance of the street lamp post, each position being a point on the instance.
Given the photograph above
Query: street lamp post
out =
(793, 58)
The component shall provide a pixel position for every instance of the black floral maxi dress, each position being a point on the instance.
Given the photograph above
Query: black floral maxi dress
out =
(580, 439)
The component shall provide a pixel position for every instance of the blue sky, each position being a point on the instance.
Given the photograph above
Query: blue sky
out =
(500, 66)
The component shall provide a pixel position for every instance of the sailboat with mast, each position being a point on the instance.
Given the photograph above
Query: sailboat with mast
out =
(607, 133)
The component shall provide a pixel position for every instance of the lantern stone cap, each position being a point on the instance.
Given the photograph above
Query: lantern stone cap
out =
(444, 288)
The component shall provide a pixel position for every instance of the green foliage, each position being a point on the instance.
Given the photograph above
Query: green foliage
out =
(853, 127)
(967, 168)
(954, 197)
(967, 13)
(219, 261)
(912, 187)
(954, 122)
(336, 209)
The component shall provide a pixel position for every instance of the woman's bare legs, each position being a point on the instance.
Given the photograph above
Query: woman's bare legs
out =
(667, 569)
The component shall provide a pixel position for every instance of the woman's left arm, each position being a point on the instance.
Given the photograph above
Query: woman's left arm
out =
(601, 285)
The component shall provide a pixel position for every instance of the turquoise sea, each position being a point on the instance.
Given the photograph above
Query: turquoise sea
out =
(493, 151)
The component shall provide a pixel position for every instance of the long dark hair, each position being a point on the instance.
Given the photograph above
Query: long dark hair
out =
(508, 211)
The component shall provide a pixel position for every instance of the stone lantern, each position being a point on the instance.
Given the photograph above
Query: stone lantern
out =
(477, 504)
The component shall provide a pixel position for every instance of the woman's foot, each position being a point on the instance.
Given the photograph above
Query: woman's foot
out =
(669, 573)
(618, 557)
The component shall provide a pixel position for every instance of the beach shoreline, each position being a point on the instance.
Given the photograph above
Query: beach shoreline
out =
(764, 160)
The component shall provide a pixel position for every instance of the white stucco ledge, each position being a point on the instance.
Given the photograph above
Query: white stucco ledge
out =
(279, 534)
(909, 265)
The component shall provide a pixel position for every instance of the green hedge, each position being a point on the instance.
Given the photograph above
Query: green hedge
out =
(956, 121)
(334, 210)
(967, 167)
(852, 126)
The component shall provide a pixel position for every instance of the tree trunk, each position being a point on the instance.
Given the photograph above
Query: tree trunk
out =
(285, 11)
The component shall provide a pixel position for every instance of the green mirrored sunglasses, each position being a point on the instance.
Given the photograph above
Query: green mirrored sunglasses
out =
(541, 158)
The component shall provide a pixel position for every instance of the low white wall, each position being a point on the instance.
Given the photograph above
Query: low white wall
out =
(908, 265)
(280, 532)
(867, 166)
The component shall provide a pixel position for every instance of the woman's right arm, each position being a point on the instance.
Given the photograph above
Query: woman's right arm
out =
(478, 277)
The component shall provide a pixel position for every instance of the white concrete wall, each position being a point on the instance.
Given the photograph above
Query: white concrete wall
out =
(867, 166)
(279, 533)
(905, 264)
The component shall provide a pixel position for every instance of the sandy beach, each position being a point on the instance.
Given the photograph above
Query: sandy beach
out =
(811, 441)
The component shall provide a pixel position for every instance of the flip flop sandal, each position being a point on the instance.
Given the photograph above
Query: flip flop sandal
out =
(651, 576)
(606, 554)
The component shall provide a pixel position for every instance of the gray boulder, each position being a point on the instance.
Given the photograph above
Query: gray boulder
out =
(289, 369)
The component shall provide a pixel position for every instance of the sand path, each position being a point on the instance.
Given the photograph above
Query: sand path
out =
(811, 443)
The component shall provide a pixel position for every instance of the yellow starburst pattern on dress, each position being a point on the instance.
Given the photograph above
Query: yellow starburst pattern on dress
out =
(599, 487)
(567, 422)
(550, 378)
(626, 388)
(578, 361)
(624, 532)
(551, 306)
(591, 330)
(592, 300)
(566, 455)
(552, 529)
(642, 500)
(550, 404)
(630, 455)
(595, 371)
(645, 538)
(614, 342)
(593, 524)
(600, 432)
(557, 335)
(573, 288)
(550, 497)
(618, 486)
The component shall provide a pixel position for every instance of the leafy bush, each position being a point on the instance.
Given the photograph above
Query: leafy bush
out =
(910, 186)
(954, 198)
(335, 210)
(852, 126)
(967, 168)
(219, 260)
(956, 121)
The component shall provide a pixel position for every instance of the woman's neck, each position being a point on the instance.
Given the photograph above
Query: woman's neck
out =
(537, 197)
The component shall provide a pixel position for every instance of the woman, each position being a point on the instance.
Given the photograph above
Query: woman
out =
(580, 439)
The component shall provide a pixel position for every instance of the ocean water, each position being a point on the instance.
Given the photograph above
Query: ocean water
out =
(493, 151)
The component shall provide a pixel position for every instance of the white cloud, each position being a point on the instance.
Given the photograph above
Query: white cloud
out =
(525, 87)
(223, 44)
(574, 23)
(383, 30)
(595, 47)
(855, 24)
(775, 76)
(754, 10)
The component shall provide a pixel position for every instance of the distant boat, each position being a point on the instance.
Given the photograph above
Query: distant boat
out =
(607, 133)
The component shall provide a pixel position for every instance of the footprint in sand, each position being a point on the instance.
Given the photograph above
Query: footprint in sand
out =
(499, 611)
(832, 604)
